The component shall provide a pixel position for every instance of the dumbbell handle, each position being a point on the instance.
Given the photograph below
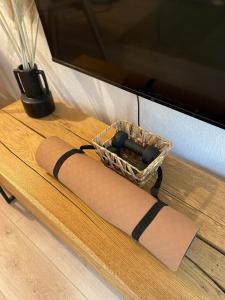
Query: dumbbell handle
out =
(134, 147)
(121, 139)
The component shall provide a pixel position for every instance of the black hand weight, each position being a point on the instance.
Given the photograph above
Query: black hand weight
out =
(121, 139)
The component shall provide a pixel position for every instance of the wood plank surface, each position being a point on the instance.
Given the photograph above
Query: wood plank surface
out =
(74, 270)
(201, 254)
(194, 280)
(2, 296)
(211, 229)
(65, 261)
(14, 212)
(25, 272)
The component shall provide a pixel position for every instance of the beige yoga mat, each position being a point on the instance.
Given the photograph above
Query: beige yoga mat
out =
(119, 201)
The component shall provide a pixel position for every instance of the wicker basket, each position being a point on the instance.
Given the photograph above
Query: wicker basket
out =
(138, 135)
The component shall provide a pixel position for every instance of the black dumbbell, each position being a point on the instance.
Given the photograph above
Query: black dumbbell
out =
(121, 140)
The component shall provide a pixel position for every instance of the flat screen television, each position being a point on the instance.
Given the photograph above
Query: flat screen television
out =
(168, 51)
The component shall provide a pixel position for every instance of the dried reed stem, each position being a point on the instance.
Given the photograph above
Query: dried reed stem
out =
(24, 46)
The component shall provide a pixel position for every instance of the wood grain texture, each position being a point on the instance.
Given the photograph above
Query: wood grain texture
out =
(75, 271)
(201, 253)
(195, 188)
(197, 280)
(212, 227)
(2, 296)
(27, 274)
(9, 293)
(124, 271)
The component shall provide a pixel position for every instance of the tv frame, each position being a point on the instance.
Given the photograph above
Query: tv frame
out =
(150, 96)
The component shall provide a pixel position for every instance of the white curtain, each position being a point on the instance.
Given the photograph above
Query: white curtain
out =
(8, 87)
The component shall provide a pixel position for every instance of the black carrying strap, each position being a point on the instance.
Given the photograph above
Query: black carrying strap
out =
(66, 155)
(62, 159)
(153, 211)
(147, 219)
(155, 189)
(87, 147)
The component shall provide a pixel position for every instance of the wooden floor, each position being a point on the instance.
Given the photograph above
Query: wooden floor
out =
(36, 265)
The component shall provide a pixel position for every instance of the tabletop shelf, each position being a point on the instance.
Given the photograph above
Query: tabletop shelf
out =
(123, 262)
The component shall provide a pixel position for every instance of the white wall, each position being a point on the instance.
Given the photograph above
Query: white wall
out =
(193, 140)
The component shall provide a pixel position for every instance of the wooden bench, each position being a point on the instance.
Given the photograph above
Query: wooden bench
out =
(124, 263)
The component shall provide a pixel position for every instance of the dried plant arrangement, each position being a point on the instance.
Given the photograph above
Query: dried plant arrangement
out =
(21, 28)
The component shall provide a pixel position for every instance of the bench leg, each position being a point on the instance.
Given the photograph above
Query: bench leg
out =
(8, 199)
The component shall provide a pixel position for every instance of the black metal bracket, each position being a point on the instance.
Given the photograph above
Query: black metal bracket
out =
(8, 199)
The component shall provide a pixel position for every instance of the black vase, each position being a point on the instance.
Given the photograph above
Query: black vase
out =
(35, 94)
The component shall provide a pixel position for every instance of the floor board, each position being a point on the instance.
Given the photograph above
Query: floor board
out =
(2, 296)
(36, 265)
(76, 271)
(14, 212)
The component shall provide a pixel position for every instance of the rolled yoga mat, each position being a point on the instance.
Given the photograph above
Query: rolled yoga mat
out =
(162, 230)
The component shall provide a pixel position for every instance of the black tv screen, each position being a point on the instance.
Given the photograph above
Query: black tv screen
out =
(169, 51)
